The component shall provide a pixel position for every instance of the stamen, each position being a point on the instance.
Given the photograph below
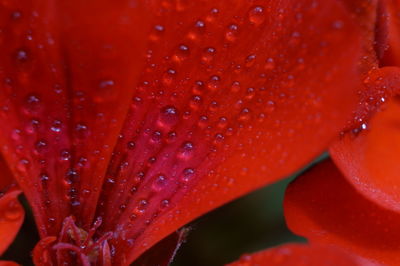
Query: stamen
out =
(77, 240)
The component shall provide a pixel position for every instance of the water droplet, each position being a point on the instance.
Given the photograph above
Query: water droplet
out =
(131, 145)
(203, 121)
(21, 55)
(56, 126)
(187, 175)
(186, 150)
(198, 87)
(81, 130)
(269, 64)
(213, 14)
(23, 165)
(171, 136)
(250, 93)
(231, 33)
(160, 182)
(256, 15)
(195, 102)
(32, 102)
(105, 84)
(71, 175)
(157, 32)
(82, 162)
(141, 207)
(208, 55)
(182, 53)
(169, 116)
(169, 77)
(250, 60)
(235, 87)
(65, 155)
(213, 83)
(244, 114)
(164, 203)
(222, 122)
(270, 107)
(44, 178)
(218, 138)
(213, 106)
(40, 145)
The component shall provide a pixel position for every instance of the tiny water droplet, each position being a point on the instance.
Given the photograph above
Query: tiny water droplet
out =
(187, 175)
(231, 33)
(214, 83)
(182, 53)
(169, 116)
(256, 15)
(186, 150)
(208, 55)
(131, 145)
(160, 182)
(21, 55)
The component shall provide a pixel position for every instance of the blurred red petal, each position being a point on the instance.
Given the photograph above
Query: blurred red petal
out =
(11, 217)
(68, 69)
(8, 263)
(323, 207)
(364, 14)
(368, 156)
(388, 32)
(11, 212)
(41, 255)
(231, 99)
(300, 255)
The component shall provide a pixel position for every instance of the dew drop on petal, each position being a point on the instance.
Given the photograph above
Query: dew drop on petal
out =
(257, 15)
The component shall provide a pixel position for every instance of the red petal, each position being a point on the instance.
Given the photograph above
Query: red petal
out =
(11, 211)
(324, 208)
(68, 69)
(8, 263)
(370, 159)
(388, 32)
(231, 99)
(11, 217)
(300, 255)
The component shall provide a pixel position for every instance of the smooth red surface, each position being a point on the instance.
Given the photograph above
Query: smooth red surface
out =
(233, 96)
(369, 157)
(388, 32)
(301, 255)
(323, 207)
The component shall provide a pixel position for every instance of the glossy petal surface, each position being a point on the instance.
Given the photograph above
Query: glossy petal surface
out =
(323, 207)
(67, 71)
(368, 156)
(230, 99)
(300, 255)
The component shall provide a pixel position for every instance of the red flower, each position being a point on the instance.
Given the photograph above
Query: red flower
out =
(123, 121)
(356, 208)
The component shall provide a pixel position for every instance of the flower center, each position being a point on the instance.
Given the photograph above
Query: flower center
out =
(80, 243)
